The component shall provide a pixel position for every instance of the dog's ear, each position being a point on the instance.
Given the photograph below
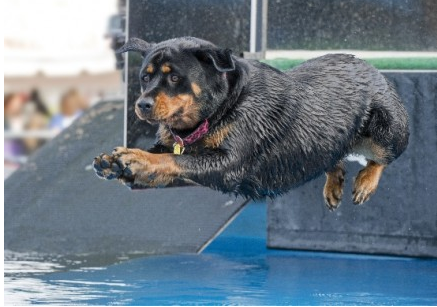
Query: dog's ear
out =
(220, 58)
(135, 44)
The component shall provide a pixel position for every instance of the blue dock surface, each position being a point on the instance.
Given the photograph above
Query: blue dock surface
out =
(238, 269)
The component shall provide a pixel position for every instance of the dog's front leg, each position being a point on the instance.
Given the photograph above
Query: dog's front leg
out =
(141, 169)
(137, 168)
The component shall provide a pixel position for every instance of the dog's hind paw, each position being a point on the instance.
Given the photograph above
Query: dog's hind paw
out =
(363, 189)
(333, 195)
(361, 196)
(366, 182)
(333, 189)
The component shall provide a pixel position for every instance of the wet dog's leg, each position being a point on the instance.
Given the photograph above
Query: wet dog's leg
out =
(367, 182)
(386, 137)
(136, 168)
(333, 190)
(140, 169)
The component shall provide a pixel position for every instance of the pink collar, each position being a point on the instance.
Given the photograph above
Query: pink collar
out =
(196, 135)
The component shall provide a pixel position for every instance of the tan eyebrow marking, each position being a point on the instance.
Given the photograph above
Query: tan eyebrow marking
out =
(150, 69)
(196, 88)
(165, 68)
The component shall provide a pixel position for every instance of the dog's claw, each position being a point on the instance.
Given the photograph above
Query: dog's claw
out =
(361, 197)
(331, 204)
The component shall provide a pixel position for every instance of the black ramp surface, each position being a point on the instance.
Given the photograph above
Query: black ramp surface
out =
(400, 219)
(55, 204)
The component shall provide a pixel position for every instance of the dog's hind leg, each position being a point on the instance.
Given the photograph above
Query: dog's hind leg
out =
(333, 189)
(367, 179)
(366, 182)
(385, 137)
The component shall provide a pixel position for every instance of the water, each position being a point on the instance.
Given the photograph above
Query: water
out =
(235, 269)
(25, 280)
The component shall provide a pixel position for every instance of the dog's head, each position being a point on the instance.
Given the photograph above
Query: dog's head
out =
(183, 80)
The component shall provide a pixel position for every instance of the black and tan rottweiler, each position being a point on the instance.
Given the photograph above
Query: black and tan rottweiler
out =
(243, 127)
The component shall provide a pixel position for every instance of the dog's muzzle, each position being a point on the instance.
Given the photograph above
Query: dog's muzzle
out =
(143, 107)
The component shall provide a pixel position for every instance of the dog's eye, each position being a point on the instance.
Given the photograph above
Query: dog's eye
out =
(174, 78)
(145, 78)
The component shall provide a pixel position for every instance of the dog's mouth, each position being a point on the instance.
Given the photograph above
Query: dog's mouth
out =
(145, 116)
(180, 119)
(179, 112)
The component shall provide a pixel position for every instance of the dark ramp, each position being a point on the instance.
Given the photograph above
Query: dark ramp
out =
(400, 219)
(55, 204)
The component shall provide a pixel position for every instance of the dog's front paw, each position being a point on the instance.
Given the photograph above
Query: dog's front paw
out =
(135, 167)
(116, 166)
(106, 167)
(131, 161)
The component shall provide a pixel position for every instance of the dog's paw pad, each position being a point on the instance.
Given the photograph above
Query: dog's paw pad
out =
(105, 167)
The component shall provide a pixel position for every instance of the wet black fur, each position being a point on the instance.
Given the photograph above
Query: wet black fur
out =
(286, 127)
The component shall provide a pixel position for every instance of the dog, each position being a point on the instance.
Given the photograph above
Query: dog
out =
(243, 127)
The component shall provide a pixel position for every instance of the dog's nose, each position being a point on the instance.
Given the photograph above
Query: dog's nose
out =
(145, 105)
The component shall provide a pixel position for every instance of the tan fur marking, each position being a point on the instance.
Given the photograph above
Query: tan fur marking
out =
(150, 69)
(149, 169)
(196, 88)
(367, 181)
(180, 111)
(163, 166)
(217, 137)
(165, 68)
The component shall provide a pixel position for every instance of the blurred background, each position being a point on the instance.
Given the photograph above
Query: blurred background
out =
(57, 63)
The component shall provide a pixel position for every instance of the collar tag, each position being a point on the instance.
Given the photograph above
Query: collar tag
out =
(178, 149)
(179, 144)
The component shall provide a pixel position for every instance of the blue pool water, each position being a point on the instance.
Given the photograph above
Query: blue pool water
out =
(236, 269)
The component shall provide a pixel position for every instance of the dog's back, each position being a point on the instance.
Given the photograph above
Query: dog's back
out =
(355, 94)
(308, 119)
